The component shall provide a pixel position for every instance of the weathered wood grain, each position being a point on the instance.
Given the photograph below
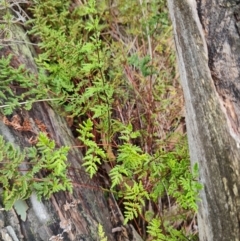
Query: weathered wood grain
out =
(207, 45)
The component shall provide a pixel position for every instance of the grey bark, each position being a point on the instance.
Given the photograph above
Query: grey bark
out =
(46, 219)
(207, 42)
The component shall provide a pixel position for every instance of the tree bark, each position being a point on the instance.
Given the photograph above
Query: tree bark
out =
(47, 219)
(207, 42)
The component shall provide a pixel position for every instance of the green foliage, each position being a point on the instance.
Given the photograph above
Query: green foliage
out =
(61, 34)
(33, 89)
(100, 62)
(164, 232)
(94, 153)
(176, 177)
(101, 233)
(142, 64)
(134, 199)
(19, 170)
(154, 229)
(165, 173)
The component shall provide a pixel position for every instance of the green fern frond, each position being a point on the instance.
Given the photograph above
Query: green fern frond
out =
(131, 211)
(19, 184)
(94, 154)
(131, 156)
(154, 229)
(116, 174)
(101, 233)
(134, 200)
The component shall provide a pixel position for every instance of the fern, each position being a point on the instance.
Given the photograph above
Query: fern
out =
(19, 184)
(131, 156)
(110, 80)
(176, 178)
(116, 174)
(94, 153)
(142, 64)
(134, 199)
(154, 229)
(60, 37)
(9, 76)
(101, 233)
